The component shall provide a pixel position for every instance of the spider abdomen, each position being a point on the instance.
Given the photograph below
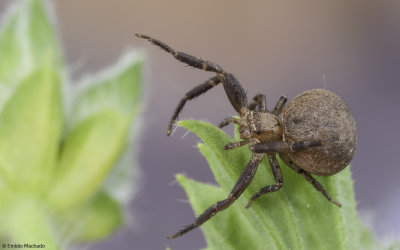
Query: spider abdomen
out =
(320, 115)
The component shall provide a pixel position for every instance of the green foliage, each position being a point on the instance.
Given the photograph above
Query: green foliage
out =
(55, 160)
(99, 219)
(295, 217)
(25, 130)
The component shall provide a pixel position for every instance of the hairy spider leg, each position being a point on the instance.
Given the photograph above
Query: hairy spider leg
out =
(285, 158)
(279, 105)
(242, 183)
(185, 58)
(233, 145)
(276, 172)
(227, 121)
(233, 89)
(235, 93)
(284, 147)
(196, 91)
(258, 103)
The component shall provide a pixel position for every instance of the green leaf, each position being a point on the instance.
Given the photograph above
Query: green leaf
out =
(52, 183)
(102, 113)
(30, 98)
(10, 51)
(89, 152)
(30, 127)
(119, 88)
(26, 37)
(100, 219)
(295, 217)
(28, 222)
(40, 34)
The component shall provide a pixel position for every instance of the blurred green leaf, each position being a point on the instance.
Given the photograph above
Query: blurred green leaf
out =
(41, 36)
(118, 88)
(394, 246)
(10, 51)
(30, 127)
(28, 221)
(101, 218)
(295, 217)
(30, 98)
(89, 152)
(102, 112)
(25, 39)
(53, 171)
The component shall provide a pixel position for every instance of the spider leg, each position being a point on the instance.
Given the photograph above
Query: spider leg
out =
(196, 91)
(233, 89)
(242, 183)
(308, 178)
(233, 145)
(279, 105)
(276, 172)
(227, 121)
(259, 103)
(284, 147)
(235, 92)
(185, 58)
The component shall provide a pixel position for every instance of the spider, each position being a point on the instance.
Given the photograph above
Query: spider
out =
(315, 133)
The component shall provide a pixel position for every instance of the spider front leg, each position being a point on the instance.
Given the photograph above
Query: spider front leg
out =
(276, 172)
(285, 158)
(235, 93)
(233, 89)
(232, 145)
(242, 183)
(196, 91)
(185, 58)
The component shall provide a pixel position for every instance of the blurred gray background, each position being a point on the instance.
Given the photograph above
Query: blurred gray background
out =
(351, 47)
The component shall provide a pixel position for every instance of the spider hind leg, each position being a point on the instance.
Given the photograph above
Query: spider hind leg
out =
(241, 184)
(285, 158)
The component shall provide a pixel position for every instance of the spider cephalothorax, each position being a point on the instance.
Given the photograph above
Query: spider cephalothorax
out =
(314, 134)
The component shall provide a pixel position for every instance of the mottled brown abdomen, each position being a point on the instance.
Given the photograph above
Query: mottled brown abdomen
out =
(320, 115)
